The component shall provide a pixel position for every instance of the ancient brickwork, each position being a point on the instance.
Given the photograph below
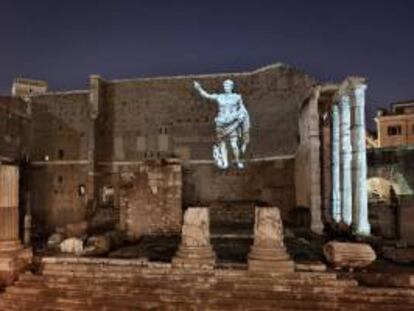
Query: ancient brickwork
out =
(391, 184)
(60, 124)
(147, 118)
(150, 198)
(55, 194)
(14, 126)
(101, 283)
(59, 157)
(88, 138)
(266, 181)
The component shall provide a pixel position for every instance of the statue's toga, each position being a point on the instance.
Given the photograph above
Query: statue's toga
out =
(232, 124)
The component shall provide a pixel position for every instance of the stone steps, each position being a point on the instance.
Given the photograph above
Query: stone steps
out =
(99, 286)
(166, 286)
(205, 281)
(210, 303)
(209, 298)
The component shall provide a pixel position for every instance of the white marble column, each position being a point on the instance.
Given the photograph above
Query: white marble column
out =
(335, 166)
(346, 157)
(359, 162)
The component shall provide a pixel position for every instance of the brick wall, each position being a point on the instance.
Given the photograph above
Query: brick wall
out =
(148, 118)
(59, 157)
(55, 194)
(267, 181)
(60, 126)
(14, 127)
(150, 198)
(391, 168)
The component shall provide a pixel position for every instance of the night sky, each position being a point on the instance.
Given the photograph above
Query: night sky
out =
(63, 42)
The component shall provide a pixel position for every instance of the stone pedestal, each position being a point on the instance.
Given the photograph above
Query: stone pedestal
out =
(195, 250)
(268, 253)
(13, 257)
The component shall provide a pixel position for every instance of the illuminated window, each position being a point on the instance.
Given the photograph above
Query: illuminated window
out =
(394, 130)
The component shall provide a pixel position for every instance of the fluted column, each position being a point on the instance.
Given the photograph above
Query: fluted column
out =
(335, 165)
(9, 208)
(359, 162)
(346, 157)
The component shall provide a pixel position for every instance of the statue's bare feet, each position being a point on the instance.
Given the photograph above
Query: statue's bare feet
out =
(240, 165)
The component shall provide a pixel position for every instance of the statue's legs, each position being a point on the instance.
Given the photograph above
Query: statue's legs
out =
(234, 142)
(223, 151)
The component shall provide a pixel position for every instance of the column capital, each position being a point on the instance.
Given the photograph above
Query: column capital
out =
(358, 88)
(341, 97)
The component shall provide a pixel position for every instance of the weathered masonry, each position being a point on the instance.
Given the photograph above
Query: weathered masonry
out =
(143, 147)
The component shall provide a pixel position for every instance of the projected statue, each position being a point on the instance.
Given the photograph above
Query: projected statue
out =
(232, 124)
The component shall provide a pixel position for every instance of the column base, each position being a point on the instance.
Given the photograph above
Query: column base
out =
(10, 246)
(337, 219)
(194, 257)
(362, 229)
(270, 260)
(317, 228)
(12, 263)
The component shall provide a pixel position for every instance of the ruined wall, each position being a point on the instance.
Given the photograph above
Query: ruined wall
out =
(270, 182)
(405, 219)
(394, 165)
(60, 124)
(390, 191)
(56, 200)
(14, 128)
(59, 157)
(146, 119)
(149, 118)
(150, 198)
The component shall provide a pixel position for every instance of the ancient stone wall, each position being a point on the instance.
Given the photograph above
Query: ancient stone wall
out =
(60, 124)
(150, 198)
(149, 118)
(394, 165)
(390, 192)
(270, 182)
(59, 157)
(14, 126)
(55, 194)
(153, 119)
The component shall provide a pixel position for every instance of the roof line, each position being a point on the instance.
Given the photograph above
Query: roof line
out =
(223, 74)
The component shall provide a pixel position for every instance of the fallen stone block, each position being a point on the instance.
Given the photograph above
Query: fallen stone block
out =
(72, 246)
(55, 239)
(349, 255)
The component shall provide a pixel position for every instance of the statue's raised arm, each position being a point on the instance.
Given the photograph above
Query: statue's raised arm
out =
(203, 93)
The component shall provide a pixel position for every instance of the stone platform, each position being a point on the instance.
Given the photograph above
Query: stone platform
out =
(114, 284)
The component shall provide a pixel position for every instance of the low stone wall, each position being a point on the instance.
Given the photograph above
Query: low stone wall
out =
(80, 284)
